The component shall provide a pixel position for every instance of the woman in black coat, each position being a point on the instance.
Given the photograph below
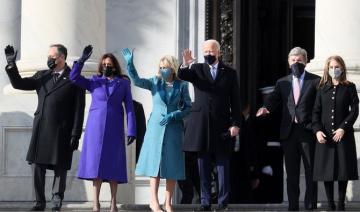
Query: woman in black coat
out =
(335, 111)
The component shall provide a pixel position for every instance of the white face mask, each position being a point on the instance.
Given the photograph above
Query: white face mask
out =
(335, 73)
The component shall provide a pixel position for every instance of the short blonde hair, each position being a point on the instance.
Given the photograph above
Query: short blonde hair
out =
(169, 61)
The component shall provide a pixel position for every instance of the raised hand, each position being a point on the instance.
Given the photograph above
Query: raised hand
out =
(187, 57)
(130, 139)
(86, 54)
(128, 55)
(10, 54)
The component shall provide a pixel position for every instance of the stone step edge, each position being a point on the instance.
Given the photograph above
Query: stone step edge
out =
(84, 205)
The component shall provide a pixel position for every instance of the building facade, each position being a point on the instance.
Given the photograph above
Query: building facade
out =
(255, 35)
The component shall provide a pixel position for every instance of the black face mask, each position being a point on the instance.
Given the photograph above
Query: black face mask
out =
(209, 59)
(297, 69)
(51, 63)
(108, 71)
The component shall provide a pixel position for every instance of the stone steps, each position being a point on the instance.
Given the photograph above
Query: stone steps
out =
(87, 206)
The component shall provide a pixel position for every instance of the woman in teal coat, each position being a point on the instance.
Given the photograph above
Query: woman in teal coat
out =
(161, 155)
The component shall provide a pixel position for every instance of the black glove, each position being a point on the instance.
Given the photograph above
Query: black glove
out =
(86, 54)
(10, 55)
(74, 143)
(130, 139)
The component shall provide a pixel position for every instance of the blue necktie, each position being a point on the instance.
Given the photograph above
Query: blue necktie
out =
(213, 72)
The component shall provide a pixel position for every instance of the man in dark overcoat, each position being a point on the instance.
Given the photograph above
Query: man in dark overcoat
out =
(214, 119)
(58, 121)
(296, 94)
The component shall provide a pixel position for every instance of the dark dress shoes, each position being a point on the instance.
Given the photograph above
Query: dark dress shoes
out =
(56, 202)
(293, 209)
(221, 207)
(204, 208)
(331, 206)
(340, 206)
(56, 208)
(38, 208)
(311, 207)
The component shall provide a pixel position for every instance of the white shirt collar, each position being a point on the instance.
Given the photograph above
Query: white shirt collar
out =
(215, 66)
(60, 72)
(301, 78)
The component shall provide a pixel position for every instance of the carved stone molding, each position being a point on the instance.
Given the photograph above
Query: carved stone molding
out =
(219, 26)
(226, 31)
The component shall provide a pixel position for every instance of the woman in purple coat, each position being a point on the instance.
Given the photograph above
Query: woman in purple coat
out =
(103, 156)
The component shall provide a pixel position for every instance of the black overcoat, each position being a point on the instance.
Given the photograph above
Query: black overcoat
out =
(336, 107)
(283, 95)
(58, 117)
(215, 109)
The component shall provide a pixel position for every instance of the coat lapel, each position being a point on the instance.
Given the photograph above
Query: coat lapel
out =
(174, 91)
(49, 84)
(291, 94)
(220, 71)
(63, 79)
(116, 86)
(305, 85)
(207, 72)
(161, 90)
(103, 83)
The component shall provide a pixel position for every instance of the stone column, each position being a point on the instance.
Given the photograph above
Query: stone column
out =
(337, 33)
(10, 16)
(73, 23)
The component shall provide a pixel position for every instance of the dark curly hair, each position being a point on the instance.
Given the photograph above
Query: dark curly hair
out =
(117, 72)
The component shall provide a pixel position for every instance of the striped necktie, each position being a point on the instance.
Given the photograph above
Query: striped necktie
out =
(55, 77)
(213, 72)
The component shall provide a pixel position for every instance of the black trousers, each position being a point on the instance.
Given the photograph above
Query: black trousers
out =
(58, 185)
(192, 180)
(300, 144)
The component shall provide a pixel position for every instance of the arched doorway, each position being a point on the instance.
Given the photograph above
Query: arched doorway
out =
(255, 37)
